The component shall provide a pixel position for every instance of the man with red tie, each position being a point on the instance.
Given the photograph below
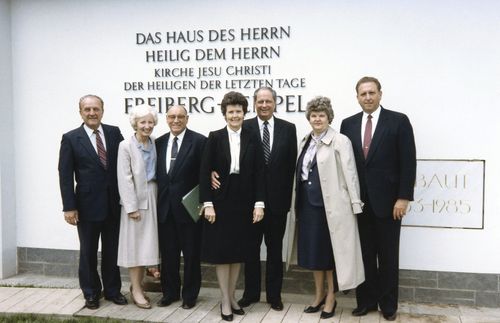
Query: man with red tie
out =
(88, 156)
(384, 149)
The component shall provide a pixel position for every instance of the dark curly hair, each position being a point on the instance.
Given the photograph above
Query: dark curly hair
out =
(234, 98)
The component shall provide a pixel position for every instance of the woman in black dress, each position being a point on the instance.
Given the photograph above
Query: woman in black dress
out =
(232, 210)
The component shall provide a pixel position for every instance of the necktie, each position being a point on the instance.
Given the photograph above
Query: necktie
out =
(173, 154)
(101, 151)
(265, 142)
(367, 140)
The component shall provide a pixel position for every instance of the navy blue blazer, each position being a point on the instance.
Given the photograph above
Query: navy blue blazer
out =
(96, 193)
(280, 169)
(388, 172)
(183, 178)
(313, 186)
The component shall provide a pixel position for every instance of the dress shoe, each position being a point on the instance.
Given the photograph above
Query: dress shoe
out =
(245, 302)
(361, 311)
(118, 299)
(146, 305)
(166, 301)
(389, 316)
(237, 311)
(188, 304)
(327, 315)
(146, 297)
(225, 317)
(314, 309)
(92, 302)
(277, 305)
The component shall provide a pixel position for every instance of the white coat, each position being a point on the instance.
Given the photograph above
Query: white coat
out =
(341, 198)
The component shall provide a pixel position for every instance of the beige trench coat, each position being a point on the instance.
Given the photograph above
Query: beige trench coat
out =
(341, 197)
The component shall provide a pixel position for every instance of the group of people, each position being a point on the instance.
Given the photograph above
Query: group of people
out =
(347, 193)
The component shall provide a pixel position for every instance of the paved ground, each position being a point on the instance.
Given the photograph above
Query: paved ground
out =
(61, 296)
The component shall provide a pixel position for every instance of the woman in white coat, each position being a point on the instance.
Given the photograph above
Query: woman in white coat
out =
(327, 199)
(136, 168)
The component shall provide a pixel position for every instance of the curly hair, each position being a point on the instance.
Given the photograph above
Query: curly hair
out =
(320, 104)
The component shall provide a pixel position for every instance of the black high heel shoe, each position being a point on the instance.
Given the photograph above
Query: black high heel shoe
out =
(237, 311)
(225, 317)
(326, 315)
(314, 309)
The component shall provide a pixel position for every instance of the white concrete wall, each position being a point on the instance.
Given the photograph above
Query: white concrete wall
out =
(437, 61)
(8, 241)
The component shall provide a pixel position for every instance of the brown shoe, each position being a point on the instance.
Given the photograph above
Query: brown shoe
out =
(146, 305)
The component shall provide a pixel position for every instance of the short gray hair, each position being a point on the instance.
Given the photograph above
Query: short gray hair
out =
(320, 104)
(140, 111)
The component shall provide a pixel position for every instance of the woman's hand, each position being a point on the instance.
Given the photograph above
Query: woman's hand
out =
(136, 215)
(210, 214)
(258, 214)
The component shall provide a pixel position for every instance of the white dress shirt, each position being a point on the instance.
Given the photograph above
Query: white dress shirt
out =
(180, 137)
(375, 116)
(270, 126)
(91, 134)
(234, 148)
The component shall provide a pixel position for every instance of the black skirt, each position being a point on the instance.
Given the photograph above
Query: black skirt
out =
(314, 246)
(230, 238)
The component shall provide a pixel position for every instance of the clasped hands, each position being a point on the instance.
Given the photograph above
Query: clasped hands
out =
(136, 215)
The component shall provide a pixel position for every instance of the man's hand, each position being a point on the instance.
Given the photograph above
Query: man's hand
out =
(400, 208)
(71, 217)
(210, 214)
(136, 215)
(215, 180)
(258, 214)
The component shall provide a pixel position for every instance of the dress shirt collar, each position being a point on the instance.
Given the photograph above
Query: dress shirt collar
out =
(270, 122)
(179, 137)
(375, 114)
(90, 131)
(231, 131)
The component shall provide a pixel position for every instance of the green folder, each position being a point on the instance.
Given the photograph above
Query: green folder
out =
(191, 202)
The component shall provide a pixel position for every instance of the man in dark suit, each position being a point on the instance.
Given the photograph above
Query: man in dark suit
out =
(88, 155)
(178, 172)
(279, 142)
(384, 149)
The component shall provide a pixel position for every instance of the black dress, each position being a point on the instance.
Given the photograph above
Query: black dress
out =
(230, 238)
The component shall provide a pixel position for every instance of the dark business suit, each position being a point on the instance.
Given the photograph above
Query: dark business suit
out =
(279, 183)
(96, 199)
(387, 174)
(230, 238)
(177, 230)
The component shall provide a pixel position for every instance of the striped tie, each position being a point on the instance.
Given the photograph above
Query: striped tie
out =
(101, 151)
(265, 142)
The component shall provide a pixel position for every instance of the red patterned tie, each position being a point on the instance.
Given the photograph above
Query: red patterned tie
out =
(101, 151)
(367, 140)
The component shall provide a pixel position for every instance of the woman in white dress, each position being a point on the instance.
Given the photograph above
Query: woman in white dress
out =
(138, 243)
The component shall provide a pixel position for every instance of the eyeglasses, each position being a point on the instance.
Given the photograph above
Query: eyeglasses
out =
(180, 117)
